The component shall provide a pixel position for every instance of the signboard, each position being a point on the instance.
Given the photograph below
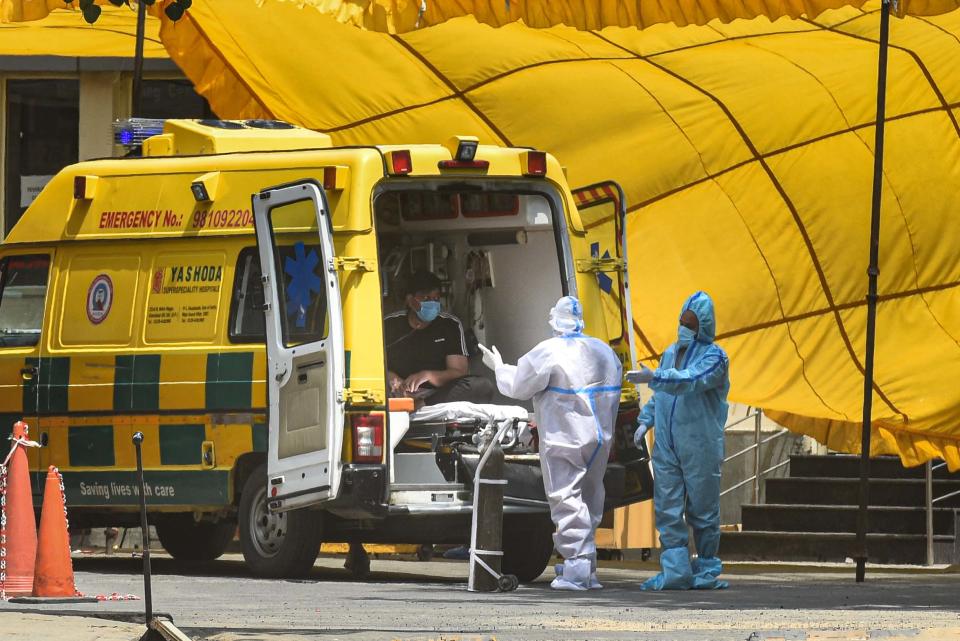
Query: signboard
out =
(30, 188)
(184, 299)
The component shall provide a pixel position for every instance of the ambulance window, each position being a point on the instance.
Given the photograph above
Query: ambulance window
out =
(246, 306)
(303, 296)
(23, 289)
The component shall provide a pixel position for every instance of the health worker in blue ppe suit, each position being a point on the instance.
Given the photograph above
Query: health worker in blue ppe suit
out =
(574, 381)
(688, 410)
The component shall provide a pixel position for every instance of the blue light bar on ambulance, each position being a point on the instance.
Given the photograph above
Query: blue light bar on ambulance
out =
(131, 132)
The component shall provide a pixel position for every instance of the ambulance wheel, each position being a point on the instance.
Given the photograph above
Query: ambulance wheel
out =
(187, 540)
(283, 545)
(527, 551)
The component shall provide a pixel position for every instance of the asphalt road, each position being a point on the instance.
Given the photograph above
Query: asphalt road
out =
(411, 600)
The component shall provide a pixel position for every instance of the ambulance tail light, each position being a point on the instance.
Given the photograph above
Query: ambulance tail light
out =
(399, 162)
(84, 187)
(536, 164)
(367, 438)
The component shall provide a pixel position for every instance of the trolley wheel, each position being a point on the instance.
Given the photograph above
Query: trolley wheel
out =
(507, 583)
(645, 554)
(425, 552)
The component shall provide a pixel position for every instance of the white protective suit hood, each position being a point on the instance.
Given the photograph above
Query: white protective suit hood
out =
(566, 317)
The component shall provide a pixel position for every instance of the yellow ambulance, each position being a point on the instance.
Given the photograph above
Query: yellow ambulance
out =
(223, 291)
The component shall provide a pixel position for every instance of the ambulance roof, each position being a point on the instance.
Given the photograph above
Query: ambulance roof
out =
(157, 195)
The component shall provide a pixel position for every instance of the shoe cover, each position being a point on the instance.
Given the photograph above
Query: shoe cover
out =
(677, 573)
(705, 572)
(560, 583)
(594, 581)
(575, 576)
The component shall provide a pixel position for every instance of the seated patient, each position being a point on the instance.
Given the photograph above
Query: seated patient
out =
(426, 349)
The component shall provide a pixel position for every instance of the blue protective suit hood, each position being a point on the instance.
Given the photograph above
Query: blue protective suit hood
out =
(701, 304)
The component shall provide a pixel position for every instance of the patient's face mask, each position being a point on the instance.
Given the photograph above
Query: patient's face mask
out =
(429, 310)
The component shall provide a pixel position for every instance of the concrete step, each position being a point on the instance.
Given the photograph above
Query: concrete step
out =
(845, 491)
(848, 466)
(907, 549)
(843, 518)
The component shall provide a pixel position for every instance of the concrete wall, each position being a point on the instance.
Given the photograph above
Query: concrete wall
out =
(97, 93)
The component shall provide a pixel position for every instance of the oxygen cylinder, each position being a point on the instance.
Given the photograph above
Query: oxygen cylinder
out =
(488, 523)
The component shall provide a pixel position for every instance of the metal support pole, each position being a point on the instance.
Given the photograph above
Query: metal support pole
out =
(144, 528)
(928, 469)
(138, 59)
(872, 272)
(756, 459)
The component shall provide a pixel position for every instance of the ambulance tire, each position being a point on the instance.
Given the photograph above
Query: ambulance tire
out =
(527, 551)
(187, 540)
(276, 545)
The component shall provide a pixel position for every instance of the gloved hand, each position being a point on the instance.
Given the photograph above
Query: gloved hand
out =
(491, 357)
(642, 375)
(640, 432)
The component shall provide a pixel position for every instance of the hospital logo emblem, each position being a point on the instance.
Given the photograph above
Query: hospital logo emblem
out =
(99, 299)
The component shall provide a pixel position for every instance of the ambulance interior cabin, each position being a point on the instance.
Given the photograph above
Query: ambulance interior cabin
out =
(494, 246)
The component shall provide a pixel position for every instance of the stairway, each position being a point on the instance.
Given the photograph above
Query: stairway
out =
(811, 515)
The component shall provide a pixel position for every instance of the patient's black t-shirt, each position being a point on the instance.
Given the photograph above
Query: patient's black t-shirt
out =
(413, 350)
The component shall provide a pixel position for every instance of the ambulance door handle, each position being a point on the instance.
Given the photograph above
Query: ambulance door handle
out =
(27, 373)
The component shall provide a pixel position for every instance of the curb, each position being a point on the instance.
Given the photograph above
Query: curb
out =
(160, 628)
(122, 617)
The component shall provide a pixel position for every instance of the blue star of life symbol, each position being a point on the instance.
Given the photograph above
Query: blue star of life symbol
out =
(304, 283)
(606, 283)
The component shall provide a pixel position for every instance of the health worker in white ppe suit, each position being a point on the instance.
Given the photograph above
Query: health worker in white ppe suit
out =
(574, 381)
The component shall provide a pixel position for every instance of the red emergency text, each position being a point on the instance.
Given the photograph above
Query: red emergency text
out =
(139, 219)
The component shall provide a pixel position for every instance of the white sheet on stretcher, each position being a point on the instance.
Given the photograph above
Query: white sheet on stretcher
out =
(465, 410)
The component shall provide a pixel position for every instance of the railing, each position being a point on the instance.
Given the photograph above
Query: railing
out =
(755, 448)
(930, 468)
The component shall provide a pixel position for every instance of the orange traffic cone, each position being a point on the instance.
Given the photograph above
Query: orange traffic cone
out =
(18, 528)
(54, 571)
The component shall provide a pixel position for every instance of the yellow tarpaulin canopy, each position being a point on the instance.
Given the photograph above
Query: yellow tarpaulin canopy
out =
(744, 148)
(63, 32)
(399, 16)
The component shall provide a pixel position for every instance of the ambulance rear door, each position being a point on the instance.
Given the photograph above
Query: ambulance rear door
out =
(603, 211)
(305, 352)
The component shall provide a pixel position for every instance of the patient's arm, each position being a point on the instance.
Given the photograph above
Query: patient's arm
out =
(456, 368)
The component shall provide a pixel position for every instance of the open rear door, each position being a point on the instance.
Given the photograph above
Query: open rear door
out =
(305, 357)
(603, 212)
